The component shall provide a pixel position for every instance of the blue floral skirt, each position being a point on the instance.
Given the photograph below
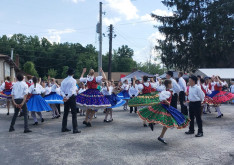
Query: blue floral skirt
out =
(92, 99)
(54, 98)
(37, 104)
(115, 101)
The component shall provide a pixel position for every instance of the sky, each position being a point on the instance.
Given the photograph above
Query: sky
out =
(75, 21)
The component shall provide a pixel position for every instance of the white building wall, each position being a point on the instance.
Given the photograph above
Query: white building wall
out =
(1, 70)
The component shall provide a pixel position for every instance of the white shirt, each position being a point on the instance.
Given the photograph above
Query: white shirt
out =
(125, 87)
(53, 87)
(19, 90)
(36, 90)
(47, 90)
(68, 87)
(81, 90)
(195, 93)
(58, 91)
(182, 84)
(133, 91)
(161, 88)
(105, 92)
(90, 78)
(175, 86)
(232, 88)
(212, 85)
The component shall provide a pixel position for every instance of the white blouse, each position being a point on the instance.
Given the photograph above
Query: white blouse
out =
(90, 78)
(164, 95)
(125, 87)
(81, 90)
(141, 86)
(36, 90)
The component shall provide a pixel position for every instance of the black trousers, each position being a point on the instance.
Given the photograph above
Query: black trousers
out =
(70, 104)
(184, 109)
(174, 100)
(25, 113)
(131, 109)
(195, 110)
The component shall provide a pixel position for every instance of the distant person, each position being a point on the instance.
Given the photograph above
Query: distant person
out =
(195, 97)
(175, 89)
(183, 89)
(19, 95)
(69, 92)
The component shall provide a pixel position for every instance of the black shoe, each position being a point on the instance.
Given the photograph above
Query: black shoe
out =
(162, 140)
(199, 135)
(27, 131)
(204, 113)
(130, 111)
(8, 113)
(58, 116)
(66, 130)
(105, 121)
(219, 116)
(85, 123)
(151, 125)
(21, 114)
(42, 120)
(76, 131)
(89, 124)
(136, 111)
(144, 125)
(189, 132)
(111, 120)
(36, 123)
(11, 129)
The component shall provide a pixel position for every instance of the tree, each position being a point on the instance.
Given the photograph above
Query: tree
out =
(29, 68)
(199, 34)
(64, 73)
(52, 73)
(122, 59)
(148, 67)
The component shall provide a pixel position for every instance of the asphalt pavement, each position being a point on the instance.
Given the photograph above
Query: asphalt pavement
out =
(123, 142)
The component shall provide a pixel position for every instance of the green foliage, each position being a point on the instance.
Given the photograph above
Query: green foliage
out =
(64, 73)
(29, 68)
(199, 34)
(52, 73)
(150, 68)
(54, 59)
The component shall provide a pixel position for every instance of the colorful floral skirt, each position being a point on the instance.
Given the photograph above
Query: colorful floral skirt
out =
(115, 101)
(218, 97)
(37, 104)
(54, 98)
(124, 95)
(144, 100)
(5, 94)
(165, 115)
(92, 99)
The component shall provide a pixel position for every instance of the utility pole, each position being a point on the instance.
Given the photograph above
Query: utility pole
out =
(110, 51)
(100, 39)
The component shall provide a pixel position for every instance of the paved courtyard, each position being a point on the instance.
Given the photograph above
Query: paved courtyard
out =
(123, 142)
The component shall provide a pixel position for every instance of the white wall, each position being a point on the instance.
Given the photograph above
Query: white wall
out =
(1, 70)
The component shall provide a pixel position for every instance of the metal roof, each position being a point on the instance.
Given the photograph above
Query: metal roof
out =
(139, 74)
(175, 75)
(225, 73)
